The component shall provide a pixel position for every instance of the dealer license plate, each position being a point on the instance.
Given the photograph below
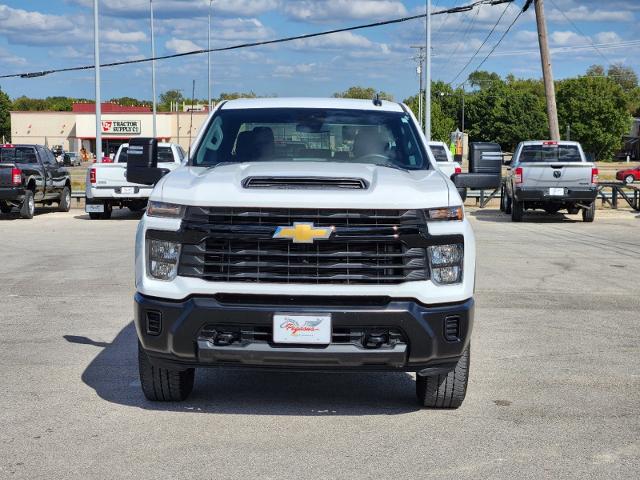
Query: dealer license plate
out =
(555, 192)
(291, 328)
(127, 190)
(94, 208)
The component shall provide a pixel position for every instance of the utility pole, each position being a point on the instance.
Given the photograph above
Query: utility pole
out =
(209, 57)
(420, 56)
(96, 54)
(153, 74)
(427, 94)
(547, 74)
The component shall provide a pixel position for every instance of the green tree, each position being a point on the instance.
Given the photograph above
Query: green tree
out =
(441, 124)
(169, 97)
(595, 71)
(626, 77)
(235, 95)
(366, 93)
(5, 118)
(506, 115)
(129, 102)
(482, 79)
(596, 110)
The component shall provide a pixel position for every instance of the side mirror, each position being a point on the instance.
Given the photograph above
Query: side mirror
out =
(142, 162)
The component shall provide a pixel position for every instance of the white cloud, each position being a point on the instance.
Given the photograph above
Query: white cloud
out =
(6, 57)
(23, 27)
(122, 37)
(178, 45)
(182, 8)
(336, 40)
(560, 38)
(291, 70)
(583, 13)
(607, 37)
(332, 10)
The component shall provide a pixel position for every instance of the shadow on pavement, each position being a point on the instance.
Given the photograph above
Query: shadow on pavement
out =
(15, 213)
(113, 374)
(117, 214)
(535, 216)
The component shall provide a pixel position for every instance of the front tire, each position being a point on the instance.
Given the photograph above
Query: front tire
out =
(629, 179)
(517, 211)
(445, 391)
(28, 208)
(162, 384)
(589, 214)
(65, 200)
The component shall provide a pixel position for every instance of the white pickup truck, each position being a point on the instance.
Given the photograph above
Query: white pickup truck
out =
(304, 234)
(107, 184)
(551, 176)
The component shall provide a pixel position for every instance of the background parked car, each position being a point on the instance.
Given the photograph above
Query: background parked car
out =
(629, 175)
(72, 159)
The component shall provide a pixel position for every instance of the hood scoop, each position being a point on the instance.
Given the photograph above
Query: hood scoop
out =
(306, 183)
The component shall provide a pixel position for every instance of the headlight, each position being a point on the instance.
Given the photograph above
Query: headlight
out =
(163, 259)
(445, 262)
(445, 213)
(167, 210)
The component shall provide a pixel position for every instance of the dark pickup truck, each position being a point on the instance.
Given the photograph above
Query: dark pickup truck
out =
(30, 174)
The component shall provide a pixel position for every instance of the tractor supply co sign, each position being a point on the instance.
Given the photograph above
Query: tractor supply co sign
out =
(121, 127)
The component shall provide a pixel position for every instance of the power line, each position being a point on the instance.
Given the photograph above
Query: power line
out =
(501, 38)
(471, 23)
(482, 45)
(463, 8)
(575, 27)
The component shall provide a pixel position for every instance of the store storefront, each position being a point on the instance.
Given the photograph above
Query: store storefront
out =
(77, 129)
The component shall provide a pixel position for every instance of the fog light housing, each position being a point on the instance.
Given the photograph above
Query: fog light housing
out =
(163, 259)
(445, 263)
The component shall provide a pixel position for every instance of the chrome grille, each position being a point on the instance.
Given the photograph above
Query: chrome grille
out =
(365, 248)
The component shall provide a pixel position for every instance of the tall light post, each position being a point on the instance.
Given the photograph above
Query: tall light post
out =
(153, 73)
(427, 94)
(209, 56)
(96, 40)
(420, 59)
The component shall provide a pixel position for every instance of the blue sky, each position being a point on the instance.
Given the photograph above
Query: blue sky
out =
(46, 34)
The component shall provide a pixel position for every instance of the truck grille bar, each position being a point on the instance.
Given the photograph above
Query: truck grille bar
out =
(366, 246)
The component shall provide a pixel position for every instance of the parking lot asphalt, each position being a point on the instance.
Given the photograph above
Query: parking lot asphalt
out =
(553, 393)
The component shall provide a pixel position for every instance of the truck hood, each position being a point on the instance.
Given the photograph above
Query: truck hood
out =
(223, 186)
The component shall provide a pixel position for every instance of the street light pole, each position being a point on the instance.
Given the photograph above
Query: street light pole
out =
(420, 59)
(427, 110)
(209, 56)
(153, 74)
(463, 95)
(96, 40)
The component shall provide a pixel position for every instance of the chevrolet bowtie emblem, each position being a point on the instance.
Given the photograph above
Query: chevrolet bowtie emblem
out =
(302, 232)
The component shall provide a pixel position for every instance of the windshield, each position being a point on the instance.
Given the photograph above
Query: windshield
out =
(165, 155)
(439, 153)
(307, 134)
(550, 153)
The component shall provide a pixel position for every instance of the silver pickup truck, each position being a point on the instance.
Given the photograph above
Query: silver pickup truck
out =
(550, 176)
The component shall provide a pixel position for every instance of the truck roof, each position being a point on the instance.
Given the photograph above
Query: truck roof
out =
(303, 102)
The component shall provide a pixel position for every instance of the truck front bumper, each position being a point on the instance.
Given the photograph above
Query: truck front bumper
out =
(415, 337)
(571, 194)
